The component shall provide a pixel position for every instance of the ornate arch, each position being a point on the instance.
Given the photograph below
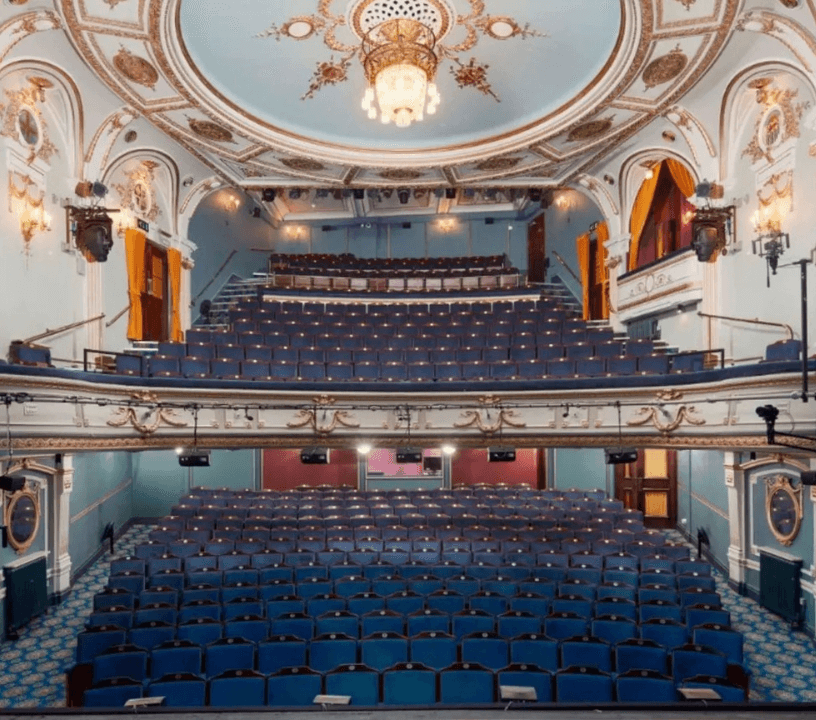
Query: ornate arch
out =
(72, 133)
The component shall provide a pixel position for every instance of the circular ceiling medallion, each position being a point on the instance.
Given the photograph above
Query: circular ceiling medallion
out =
(210, 130)
(135, 68)
(400, 174)
(303, 164)
(665, 68)
(437, 15)
(501, 28)
(500, 163)
(299, 28)
(589, 130)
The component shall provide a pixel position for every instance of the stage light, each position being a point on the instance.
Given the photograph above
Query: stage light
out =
(448, 450)
(364, 448)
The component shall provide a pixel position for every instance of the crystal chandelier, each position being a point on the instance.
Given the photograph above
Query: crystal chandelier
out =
(400, 65)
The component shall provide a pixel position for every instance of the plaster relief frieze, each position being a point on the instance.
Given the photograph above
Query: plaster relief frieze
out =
(685, 414)
(323, 422)
(489, 422)
(151, 418)
(23, 121)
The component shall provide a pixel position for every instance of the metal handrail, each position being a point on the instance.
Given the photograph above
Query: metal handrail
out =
(566, 267)
(753, 321)
(118, 315)
(62, 328)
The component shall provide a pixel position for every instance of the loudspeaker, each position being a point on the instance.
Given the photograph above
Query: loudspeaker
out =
(195, 458)
(808, 477)
(11, 484)
(406, 226)
(498, 454)
(314, 456)
(409, 455)
(450, 193)
(619, 457)
(94, 236)
(489, 221)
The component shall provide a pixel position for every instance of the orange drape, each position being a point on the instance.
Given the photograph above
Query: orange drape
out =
(174, 270)
(603, 269)
(682, 177)
(135, 252)
(640, 213)
(582, 248)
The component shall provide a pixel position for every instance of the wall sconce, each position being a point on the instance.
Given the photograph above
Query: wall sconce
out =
(447, 225)
(771, 246)
(565, 201)
(127, 221)
(774, 206)
(30, 210)
(296, 232)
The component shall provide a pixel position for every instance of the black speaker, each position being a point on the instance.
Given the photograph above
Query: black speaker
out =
(450, 193)
(94, 236)
(409, 455)
(489, 221)
(808, 477)
(359, 193)
(11, 484)
(268, 194)
(620, 457)
(314, 456)
(195, 458)
(498, 454)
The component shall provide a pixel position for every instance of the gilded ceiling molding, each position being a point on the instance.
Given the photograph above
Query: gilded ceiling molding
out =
(685, 414)
(114, 124)
(152, 418)
(21, 26)
(790, 33)
(690, 127)
(600, 193)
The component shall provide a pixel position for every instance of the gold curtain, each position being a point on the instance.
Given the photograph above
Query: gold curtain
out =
(135, 252)
(640, 213)
(682, 177)
(174, 270)
(582, 248)
(602, 234)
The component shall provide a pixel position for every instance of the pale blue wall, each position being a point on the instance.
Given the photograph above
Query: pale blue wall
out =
(582, 468)
(159, 481)
(702, 499)
(102, 493)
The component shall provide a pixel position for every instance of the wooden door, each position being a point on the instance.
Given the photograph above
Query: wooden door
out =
(154, 297)
(650, 485)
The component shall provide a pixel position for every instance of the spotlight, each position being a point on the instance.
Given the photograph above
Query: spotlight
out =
(359, 193)
(268, 194)
(364, 448)
(439, 193)
(448, 449)
(321, 193)
(769, 413)
(99, 190)
(404, 195)
(295, 193)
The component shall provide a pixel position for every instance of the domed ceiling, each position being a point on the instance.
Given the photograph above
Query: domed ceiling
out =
(269, 93)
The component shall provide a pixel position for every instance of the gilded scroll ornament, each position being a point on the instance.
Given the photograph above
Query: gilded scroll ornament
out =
(665, 68)
(152, 418)
(309, 418)
(685, 414)
(481, 420)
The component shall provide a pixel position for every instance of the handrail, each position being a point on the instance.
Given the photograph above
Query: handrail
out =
(118, 315)
(567, 267)
(62, 328)
(754, 321)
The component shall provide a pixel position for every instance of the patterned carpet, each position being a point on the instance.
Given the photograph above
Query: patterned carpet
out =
(33, 668)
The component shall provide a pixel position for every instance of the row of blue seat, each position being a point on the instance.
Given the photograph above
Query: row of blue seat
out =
(437, 650)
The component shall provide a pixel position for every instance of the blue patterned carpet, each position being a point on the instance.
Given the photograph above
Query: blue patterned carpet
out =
(33, 669)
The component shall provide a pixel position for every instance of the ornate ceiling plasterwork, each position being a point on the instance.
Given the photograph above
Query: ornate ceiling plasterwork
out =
(662, 49)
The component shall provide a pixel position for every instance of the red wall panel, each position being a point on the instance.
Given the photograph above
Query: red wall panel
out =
(470, 467)
(282, 470)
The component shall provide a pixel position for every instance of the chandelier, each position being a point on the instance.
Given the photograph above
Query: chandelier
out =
(400, 65)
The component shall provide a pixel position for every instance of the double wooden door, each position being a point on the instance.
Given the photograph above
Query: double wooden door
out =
(650, 485)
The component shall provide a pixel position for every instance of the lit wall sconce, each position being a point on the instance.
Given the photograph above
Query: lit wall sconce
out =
(29, 208)
(565, 201)
(775, 203)
(296, 232)
(447, 225)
